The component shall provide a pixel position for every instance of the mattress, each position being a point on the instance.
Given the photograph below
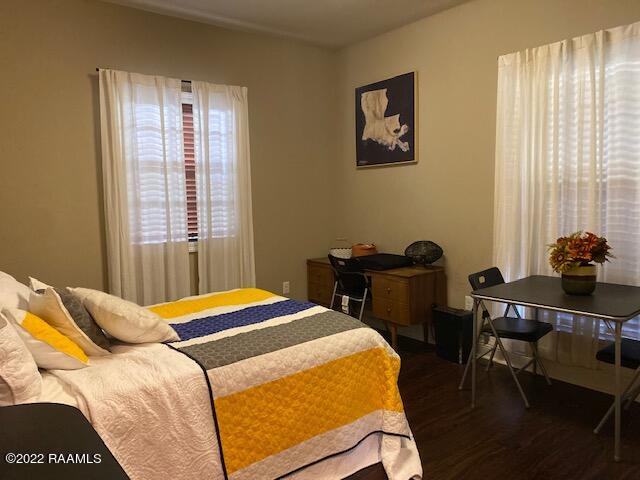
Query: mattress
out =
(251, 390)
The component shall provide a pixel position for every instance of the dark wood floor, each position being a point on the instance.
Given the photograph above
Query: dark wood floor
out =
(500, 439)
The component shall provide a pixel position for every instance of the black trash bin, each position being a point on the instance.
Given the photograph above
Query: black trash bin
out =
(454, 331)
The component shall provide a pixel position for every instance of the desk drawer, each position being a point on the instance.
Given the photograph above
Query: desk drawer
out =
(390, 310)
(320, 275)
(320, 294)
(390, 288)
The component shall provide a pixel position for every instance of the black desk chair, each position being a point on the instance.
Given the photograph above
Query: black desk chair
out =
(513, 328)
(351, 282)
(630, 358)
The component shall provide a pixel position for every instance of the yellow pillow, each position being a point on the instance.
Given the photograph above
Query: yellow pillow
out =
(50, 348)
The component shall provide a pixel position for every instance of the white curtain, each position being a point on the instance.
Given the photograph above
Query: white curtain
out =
(568, 159)
(223, 173)
(144, 186)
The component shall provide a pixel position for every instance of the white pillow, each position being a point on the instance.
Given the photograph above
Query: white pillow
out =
(48, 306)
(50, 349)
(13, 294)
(20, 381)
(36, 284)
(125, 320)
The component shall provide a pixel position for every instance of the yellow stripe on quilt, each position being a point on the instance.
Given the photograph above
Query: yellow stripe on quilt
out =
(185, 307)
(267, 419)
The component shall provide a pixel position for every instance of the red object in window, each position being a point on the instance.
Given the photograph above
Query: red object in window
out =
(190, 171)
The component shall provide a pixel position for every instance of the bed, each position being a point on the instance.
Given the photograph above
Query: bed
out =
(257, 386)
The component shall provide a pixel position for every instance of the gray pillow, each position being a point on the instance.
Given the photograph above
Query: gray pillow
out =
(83, 318)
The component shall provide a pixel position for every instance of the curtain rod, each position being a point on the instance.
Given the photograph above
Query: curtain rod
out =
(186, 81)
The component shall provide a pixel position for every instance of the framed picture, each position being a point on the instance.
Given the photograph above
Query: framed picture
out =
(386, 123)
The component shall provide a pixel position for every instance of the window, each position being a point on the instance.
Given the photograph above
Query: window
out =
(567, 159)
(176, 173)
(613, 180)
(222, 175)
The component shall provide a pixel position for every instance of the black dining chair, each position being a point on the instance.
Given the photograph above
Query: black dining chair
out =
(506, 327)
(630, 358)
(351, 285)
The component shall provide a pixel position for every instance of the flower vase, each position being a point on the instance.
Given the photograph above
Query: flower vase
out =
(580, 280)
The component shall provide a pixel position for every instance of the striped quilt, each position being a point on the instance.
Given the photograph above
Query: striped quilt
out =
(292, 383)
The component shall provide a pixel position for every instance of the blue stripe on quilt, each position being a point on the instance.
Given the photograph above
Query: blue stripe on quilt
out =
(240, 318)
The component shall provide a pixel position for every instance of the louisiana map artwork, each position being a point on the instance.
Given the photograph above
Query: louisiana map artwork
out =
(385, 122)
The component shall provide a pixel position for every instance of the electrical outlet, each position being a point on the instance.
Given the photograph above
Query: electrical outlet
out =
(468, 303)
(285, 288)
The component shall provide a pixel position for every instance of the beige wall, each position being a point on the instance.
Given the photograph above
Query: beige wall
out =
(50, 199)
(448, 196)
(301, 120)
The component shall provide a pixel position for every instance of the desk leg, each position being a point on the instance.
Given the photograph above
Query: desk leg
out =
(474, 349)
(393, 328)
(616, 454)
(535, 362)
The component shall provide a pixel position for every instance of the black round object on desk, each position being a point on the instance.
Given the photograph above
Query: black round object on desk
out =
(423, 252)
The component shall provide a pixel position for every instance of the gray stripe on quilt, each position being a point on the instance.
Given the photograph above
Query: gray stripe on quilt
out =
(227, 350)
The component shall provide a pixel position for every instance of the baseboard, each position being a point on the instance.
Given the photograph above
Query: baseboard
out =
(601, 379)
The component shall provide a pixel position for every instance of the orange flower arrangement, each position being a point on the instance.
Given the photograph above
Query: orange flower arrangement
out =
(578, 249)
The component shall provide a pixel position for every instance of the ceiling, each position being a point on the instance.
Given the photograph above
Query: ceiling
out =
(329, 23)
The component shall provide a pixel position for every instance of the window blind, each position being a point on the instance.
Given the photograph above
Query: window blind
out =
(190, 171)
(223, 175)
(156, 178)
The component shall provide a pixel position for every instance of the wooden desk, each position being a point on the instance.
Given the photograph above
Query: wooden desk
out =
(401, 296)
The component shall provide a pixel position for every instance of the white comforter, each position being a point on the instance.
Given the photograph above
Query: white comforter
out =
(131, 419)
(151, 406)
